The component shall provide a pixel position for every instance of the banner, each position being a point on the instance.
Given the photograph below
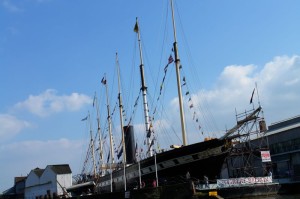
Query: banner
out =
(236, 182)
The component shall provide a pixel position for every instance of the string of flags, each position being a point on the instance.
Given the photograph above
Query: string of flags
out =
(86, 160)
(150, 130)
(114, 109)
(134, 107)
(170, 60)
(191, 104)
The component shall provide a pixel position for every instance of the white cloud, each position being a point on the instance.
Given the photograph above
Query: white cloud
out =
(49, 102)
(278, 85)
(11, 126)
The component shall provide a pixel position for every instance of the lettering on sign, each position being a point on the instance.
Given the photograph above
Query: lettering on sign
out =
(235, 182)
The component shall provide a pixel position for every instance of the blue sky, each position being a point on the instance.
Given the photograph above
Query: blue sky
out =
(53, 54)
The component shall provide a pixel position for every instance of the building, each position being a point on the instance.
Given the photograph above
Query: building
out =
(284, 143)
(20, 186)
(17, 191)
(51, 181)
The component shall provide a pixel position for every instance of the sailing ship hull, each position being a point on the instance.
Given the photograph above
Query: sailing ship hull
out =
(200, 159)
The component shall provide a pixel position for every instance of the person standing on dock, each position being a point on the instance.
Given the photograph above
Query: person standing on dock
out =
(154, 183)
(192, 186)
(270, 173)
(206, 181)
(188, 176)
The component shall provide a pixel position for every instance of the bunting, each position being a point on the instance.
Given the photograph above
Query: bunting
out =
(104, 139)
(190, 102)
(152, 143)
(114, 109)
(135, 105)
(149, 131)
(170, 60)
(115, 148)
(120, 153)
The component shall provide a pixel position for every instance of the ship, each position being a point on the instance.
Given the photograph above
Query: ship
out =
(179, 164)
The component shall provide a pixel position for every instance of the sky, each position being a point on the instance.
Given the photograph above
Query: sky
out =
(54, 53)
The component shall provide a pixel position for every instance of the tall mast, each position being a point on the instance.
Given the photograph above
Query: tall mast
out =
(92, 146)
(121, 118)
(121, 108)
(109, 120)
(177, 65)
(99, 133)
(144, 91)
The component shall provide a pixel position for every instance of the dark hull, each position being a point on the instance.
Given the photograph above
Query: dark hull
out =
(249, 191)
(204, 158)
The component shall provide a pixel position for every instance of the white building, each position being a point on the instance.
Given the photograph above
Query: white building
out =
(51, 180)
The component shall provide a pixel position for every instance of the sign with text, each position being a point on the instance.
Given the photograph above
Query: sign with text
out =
(237, 182)
(265, 156)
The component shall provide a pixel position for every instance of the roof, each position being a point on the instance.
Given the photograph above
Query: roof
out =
(61, 168)
(10, 191)
(285, 123)
(38, 171)
(19, 179)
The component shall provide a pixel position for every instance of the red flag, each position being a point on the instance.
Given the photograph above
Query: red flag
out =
(170, 60)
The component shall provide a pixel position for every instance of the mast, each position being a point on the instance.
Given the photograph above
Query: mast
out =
(103, 81)
(121, 109)
(144, 91)
(121, 118)
(92, 147)
(109, 124)
(177, 65)
(99, 132)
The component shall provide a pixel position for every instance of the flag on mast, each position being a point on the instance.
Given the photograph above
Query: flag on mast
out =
(103, 81)
(170, 60)
(83, 119)
(136, 27)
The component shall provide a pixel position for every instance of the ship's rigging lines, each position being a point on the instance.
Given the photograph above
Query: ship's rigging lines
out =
(191, 105)
(155, 113)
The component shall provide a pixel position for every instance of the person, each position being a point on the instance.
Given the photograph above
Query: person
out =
(270, 173)
(154, 183)
(206, 181)
(188, 176)
(143, 184)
